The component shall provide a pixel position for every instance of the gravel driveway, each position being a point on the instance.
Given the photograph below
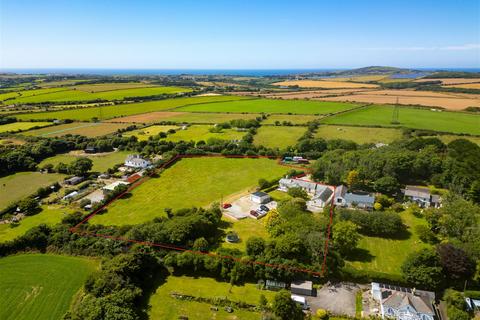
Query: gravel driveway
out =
(338, 298)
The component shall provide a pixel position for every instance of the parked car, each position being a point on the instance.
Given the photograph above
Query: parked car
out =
(254, 213)
(264, 208)
(226, 205)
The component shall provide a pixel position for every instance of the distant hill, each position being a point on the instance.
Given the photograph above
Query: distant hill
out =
(377, 70)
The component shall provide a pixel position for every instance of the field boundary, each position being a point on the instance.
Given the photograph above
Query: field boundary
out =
(169, 163)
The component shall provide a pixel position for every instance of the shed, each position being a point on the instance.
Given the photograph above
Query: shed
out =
(74, 180)
(304, 288)
(275, 285)
(260, 197)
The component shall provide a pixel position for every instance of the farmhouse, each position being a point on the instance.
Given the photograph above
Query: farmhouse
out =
(320, 194)
(358, 199)
(422, 196)
(403, 303)
(135, 161)
(260, 197)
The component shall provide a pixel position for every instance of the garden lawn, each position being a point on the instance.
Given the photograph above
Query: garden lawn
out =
(358, 134)
(278, 137)
(49, 215)
(40, 286)
(22, 126)
(202, 133)
(189, 182)
(145, 133)
(292, 118)
(272, 106)
(17, 186)
(122, 110)
(81, 95)
(101, 162)
(416, 118)
(245, 228)
(91, 129)
(387, 255)
(164, 306)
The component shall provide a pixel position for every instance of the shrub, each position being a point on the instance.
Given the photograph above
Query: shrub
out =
(321, 314)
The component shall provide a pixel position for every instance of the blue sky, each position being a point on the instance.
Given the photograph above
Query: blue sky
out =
(239, 34)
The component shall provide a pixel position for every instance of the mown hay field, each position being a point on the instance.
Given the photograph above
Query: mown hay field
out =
(271, 106)
(101, 162)
(122, 110)
(22, 126)
(326, 84)
(22, 184)
(450, 103)
(164, 306)
(278, 137)
(415, 118)
(451, 81)
(189, 182)
(40, 286)
(359, 135)
(91, 129)
(68, 94)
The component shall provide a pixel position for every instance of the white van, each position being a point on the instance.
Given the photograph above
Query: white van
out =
(301, 301)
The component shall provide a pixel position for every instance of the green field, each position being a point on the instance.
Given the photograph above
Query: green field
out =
(387, 255)
(22, 184)
(278, 137)
(68, 94)
(202, 133)
(272, 106)
(358, 134)
(28, 93)
(164, 306)
(293, 118)
(145, 133)
(209, 117)
(22, 126)
(245, 228)
(189, 182)
(447, 138)
(91, 129)
(121, 110)
(40, 286)
(49, 215)
(101, 163)
(416, 118)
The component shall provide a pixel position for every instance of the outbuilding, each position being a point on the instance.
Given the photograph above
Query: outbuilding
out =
(260, 197)
(304, 288)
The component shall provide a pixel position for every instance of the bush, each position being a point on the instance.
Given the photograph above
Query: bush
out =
(425, 234)
(321, 314)
(377, 223)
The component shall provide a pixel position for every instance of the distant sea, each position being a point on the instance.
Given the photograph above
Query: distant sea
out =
(232, 72)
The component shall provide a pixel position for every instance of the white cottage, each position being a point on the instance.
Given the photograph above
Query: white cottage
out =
(135, 161)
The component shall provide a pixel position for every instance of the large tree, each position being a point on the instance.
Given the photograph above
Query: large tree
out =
(285, 308)
(423, 269)
(345, 236)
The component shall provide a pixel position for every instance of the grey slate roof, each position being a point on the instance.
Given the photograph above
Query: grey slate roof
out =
(399, 300)
(359, 198)
(419, 192)
(260, 194)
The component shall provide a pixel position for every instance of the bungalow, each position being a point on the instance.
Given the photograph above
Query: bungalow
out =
(260, 197)
(422, 196)
(74, 180)
(135, 161)
(403, 303)
(359, 199)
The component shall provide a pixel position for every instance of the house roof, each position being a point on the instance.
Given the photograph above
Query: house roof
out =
(340, 191)
(323, 193)
(260, 194)
(420, 303)
(419, 192)
(366, 198)
(300, 284)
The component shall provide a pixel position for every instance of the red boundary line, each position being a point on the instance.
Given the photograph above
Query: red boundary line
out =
(211, 254)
